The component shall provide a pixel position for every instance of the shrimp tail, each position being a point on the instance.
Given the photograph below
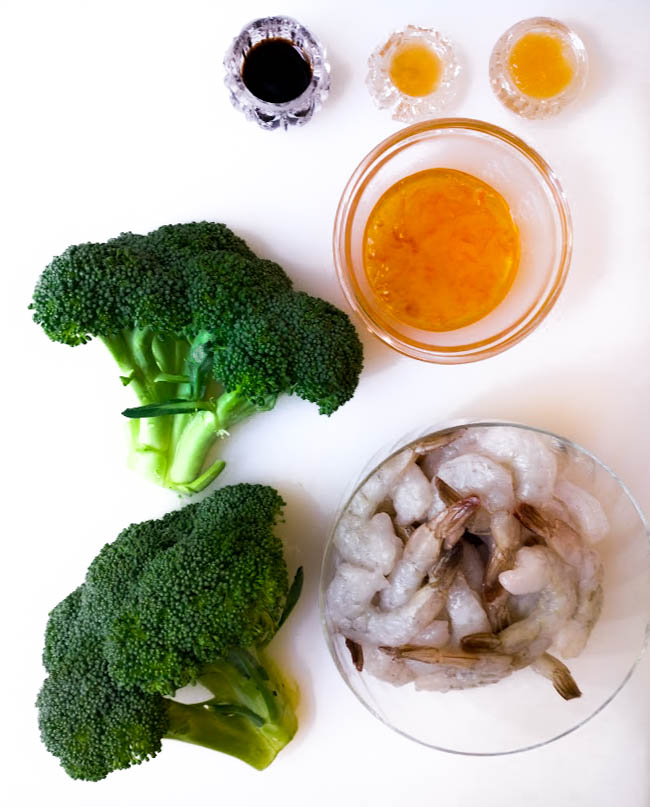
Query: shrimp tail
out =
(559, 674)
(356, 652)
(497, 608)
(481, 643)
(450, 526)
(448, 495)
(443, 572)
(432, 443)
(432, 655)
(533, 520)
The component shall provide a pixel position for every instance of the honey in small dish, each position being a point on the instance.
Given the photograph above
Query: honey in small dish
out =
(539, 65)
(441, 249)
(415, 69)
(414, 73)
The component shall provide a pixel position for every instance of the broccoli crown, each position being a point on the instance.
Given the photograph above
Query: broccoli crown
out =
(187, 279)
(87, 720)
(169, 600)
(173, 595)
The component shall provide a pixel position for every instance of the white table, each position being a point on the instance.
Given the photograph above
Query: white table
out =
(115, 118)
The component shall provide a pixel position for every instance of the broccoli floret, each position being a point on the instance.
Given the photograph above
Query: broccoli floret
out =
(204, 332)
(192, 597)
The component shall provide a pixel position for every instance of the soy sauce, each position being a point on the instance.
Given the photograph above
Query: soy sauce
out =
(275, 70)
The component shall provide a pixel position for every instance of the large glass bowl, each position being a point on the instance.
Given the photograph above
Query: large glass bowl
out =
(538, 207)
(522, 711)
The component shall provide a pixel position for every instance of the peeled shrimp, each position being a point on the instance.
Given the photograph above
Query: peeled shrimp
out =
(528, 454)
(450, 669)
(399, 625)
(422, 550)
(402, 623)
(537, 569)
(350, 592)
(377, 487)
(412, 495)
(436, 634)
(369, 543)
(585, 511)
(566, 543)
(466, 614)
(472, 474)
(505, 539)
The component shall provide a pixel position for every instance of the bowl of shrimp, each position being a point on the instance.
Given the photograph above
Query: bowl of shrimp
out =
(486, 587)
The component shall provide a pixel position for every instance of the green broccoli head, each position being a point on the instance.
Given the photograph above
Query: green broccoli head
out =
(87, 720)
(190, 597)
(225, 575)
(201, 329)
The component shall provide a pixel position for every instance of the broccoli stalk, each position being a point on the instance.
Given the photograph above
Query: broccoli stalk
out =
(170, 450)
(249, 717)
(205, 334)
(193, 597)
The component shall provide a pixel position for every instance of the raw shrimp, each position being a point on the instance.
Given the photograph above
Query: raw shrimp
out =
(399, 625)
(585, 511)
(527, 453)
(566, 543)
(412, 495)
(473, 567)
(385, 667)
(473, 474)
(422, 550)
(466, 614)
(350, 592)
(377, 487)
(452, 669)
(436, 634)
(505, 539)
(368, 543)
(537, 569)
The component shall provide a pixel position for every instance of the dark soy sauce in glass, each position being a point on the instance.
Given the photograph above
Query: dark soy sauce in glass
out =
(275, 70)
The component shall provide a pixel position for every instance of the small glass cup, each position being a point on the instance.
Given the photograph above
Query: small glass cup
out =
(267, 114)
(521, 711)
(406, 107)
(504, 86)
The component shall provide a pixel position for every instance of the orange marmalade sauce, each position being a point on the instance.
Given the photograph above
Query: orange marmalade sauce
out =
(415, 70)
(538, 65)
(440, 249)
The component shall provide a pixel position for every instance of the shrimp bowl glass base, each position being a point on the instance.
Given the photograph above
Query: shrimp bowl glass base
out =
(538, 207)
(522, 711)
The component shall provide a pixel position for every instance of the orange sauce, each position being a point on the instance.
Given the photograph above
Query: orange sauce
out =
(415, 69)
(440, 249)
(538, 65)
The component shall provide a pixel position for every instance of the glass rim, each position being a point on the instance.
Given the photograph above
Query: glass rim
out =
(400, 445)
(349, 201)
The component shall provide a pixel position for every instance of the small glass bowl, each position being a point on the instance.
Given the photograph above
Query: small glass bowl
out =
(297, 111)
(408, 108)
(538, 207)
(504, 86)
(522, 711)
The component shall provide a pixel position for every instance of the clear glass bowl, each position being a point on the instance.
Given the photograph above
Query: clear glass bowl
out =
(522, 711)
(502, 81)
(266, 114)
(409, 108)
(538, 206)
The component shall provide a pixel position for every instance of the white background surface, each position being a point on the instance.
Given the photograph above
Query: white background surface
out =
(115, 118)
